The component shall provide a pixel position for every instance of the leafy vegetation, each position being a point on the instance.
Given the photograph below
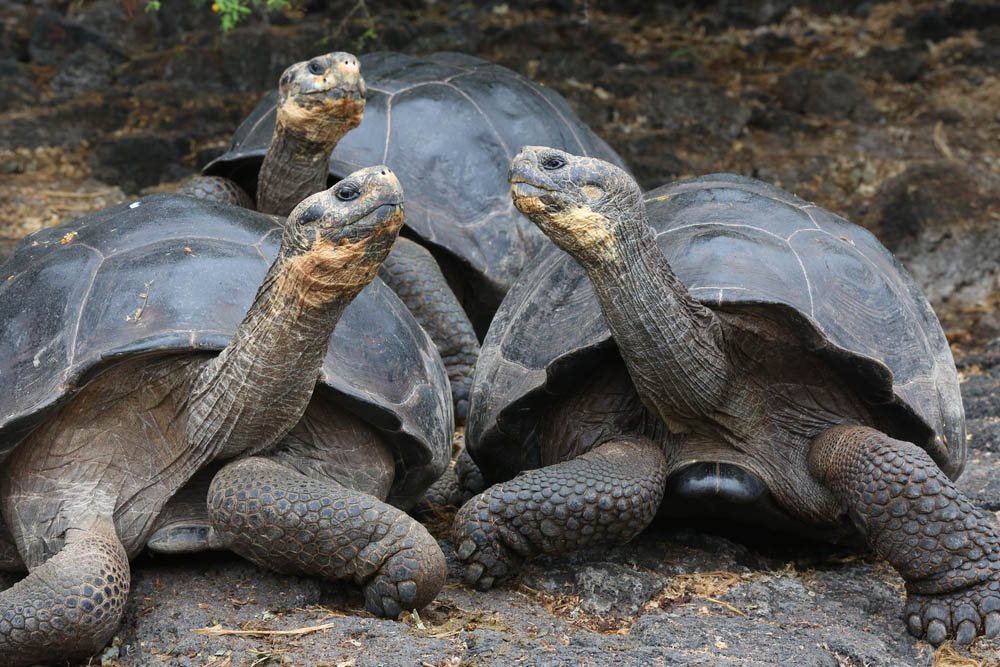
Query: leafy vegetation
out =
(230, 12)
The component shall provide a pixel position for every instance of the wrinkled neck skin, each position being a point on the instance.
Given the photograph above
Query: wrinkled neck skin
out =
(672, 345)
(294, 167)
(258, 387)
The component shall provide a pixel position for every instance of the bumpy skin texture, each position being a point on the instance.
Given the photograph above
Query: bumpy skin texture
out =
(216, 188)
(74, 601)
(914, 517)
(414, 275)
(605, 496)
(470, 477)
(445, 492)
(283, 520)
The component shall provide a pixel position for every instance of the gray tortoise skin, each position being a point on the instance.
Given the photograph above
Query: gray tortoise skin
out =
(445, 123)
(771, 363)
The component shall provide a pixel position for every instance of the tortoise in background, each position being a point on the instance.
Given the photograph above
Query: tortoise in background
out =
(135, 356)
(285, 159)
(446, 123)
(726, 348)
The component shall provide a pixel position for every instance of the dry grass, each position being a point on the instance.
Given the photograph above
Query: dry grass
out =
(46, 186)
(947, 656)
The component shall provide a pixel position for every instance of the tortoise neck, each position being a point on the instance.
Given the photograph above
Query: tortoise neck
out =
(257, 388)
(294, 167)
(672, 345)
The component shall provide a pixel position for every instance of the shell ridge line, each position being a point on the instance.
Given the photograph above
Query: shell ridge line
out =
(260, 120)
(805, 274)
(722, 224)
(569, 125)
(388, 125)
(806, 207)
(506, 151)
(83, 303)
(923, 334)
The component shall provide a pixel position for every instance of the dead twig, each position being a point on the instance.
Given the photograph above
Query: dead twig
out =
(218, 631)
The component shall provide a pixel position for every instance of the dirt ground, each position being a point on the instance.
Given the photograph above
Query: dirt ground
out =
(887, 113)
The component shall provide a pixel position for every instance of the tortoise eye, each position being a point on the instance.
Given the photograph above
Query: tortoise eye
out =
(348, 193)
(315, 67)
(553, 162)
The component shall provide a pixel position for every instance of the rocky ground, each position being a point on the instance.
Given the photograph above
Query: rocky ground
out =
(885, 112)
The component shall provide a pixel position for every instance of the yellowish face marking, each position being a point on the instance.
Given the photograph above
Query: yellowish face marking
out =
(328, 270)
(577, 229)
(324, 121)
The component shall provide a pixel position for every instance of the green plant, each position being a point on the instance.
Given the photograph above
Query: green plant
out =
(230, 11)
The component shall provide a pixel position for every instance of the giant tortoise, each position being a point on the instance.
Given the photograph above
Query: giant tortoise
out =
(284, 158)
(720, 348)
(149, 343)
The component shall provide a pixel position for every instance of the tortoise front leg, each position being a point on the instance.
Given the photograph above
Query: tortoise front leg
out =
(605, 496)
(286, 521)
(70, 605)
(414, 275)
(913, 516)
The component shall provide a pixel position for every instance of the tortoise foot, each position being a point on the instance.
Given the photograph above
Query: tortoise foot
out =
(605, 496)
(913, 516)
(482, 542)
(70, 605)
(964, 614)
(285, 521)
(410, 578)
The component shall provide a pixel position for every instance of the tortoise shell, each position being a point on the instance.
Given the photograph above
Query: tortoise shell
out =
(169, 274)
(448, 124)
(736, 243)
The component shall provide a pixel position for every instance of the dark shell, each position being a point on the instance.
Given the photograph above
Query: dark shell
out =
(173, 274)
(448, 124)
(734, 242)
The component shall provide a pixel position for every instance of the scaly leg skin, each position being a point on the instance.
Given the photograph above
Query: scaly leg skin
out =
(445, 492)
(285, 521)
(913, 516)
(70, 605)
(605, 496)
(218, 189)
(453, 488)
(414, 275)
(470, 477)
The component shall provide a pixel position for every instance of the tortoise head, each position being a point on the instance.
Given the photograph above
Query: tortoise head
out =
(322, 98)
(335, 240)
(579, 202)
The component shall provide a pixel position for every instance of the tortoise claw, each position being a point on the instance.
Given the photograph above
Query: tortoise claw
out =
(991, 627)
(966, 633)
(936, 632)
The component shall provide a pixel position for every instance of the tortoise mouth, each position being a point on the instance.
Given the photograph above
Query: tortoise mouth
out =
(336, 93)
(532, 200)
